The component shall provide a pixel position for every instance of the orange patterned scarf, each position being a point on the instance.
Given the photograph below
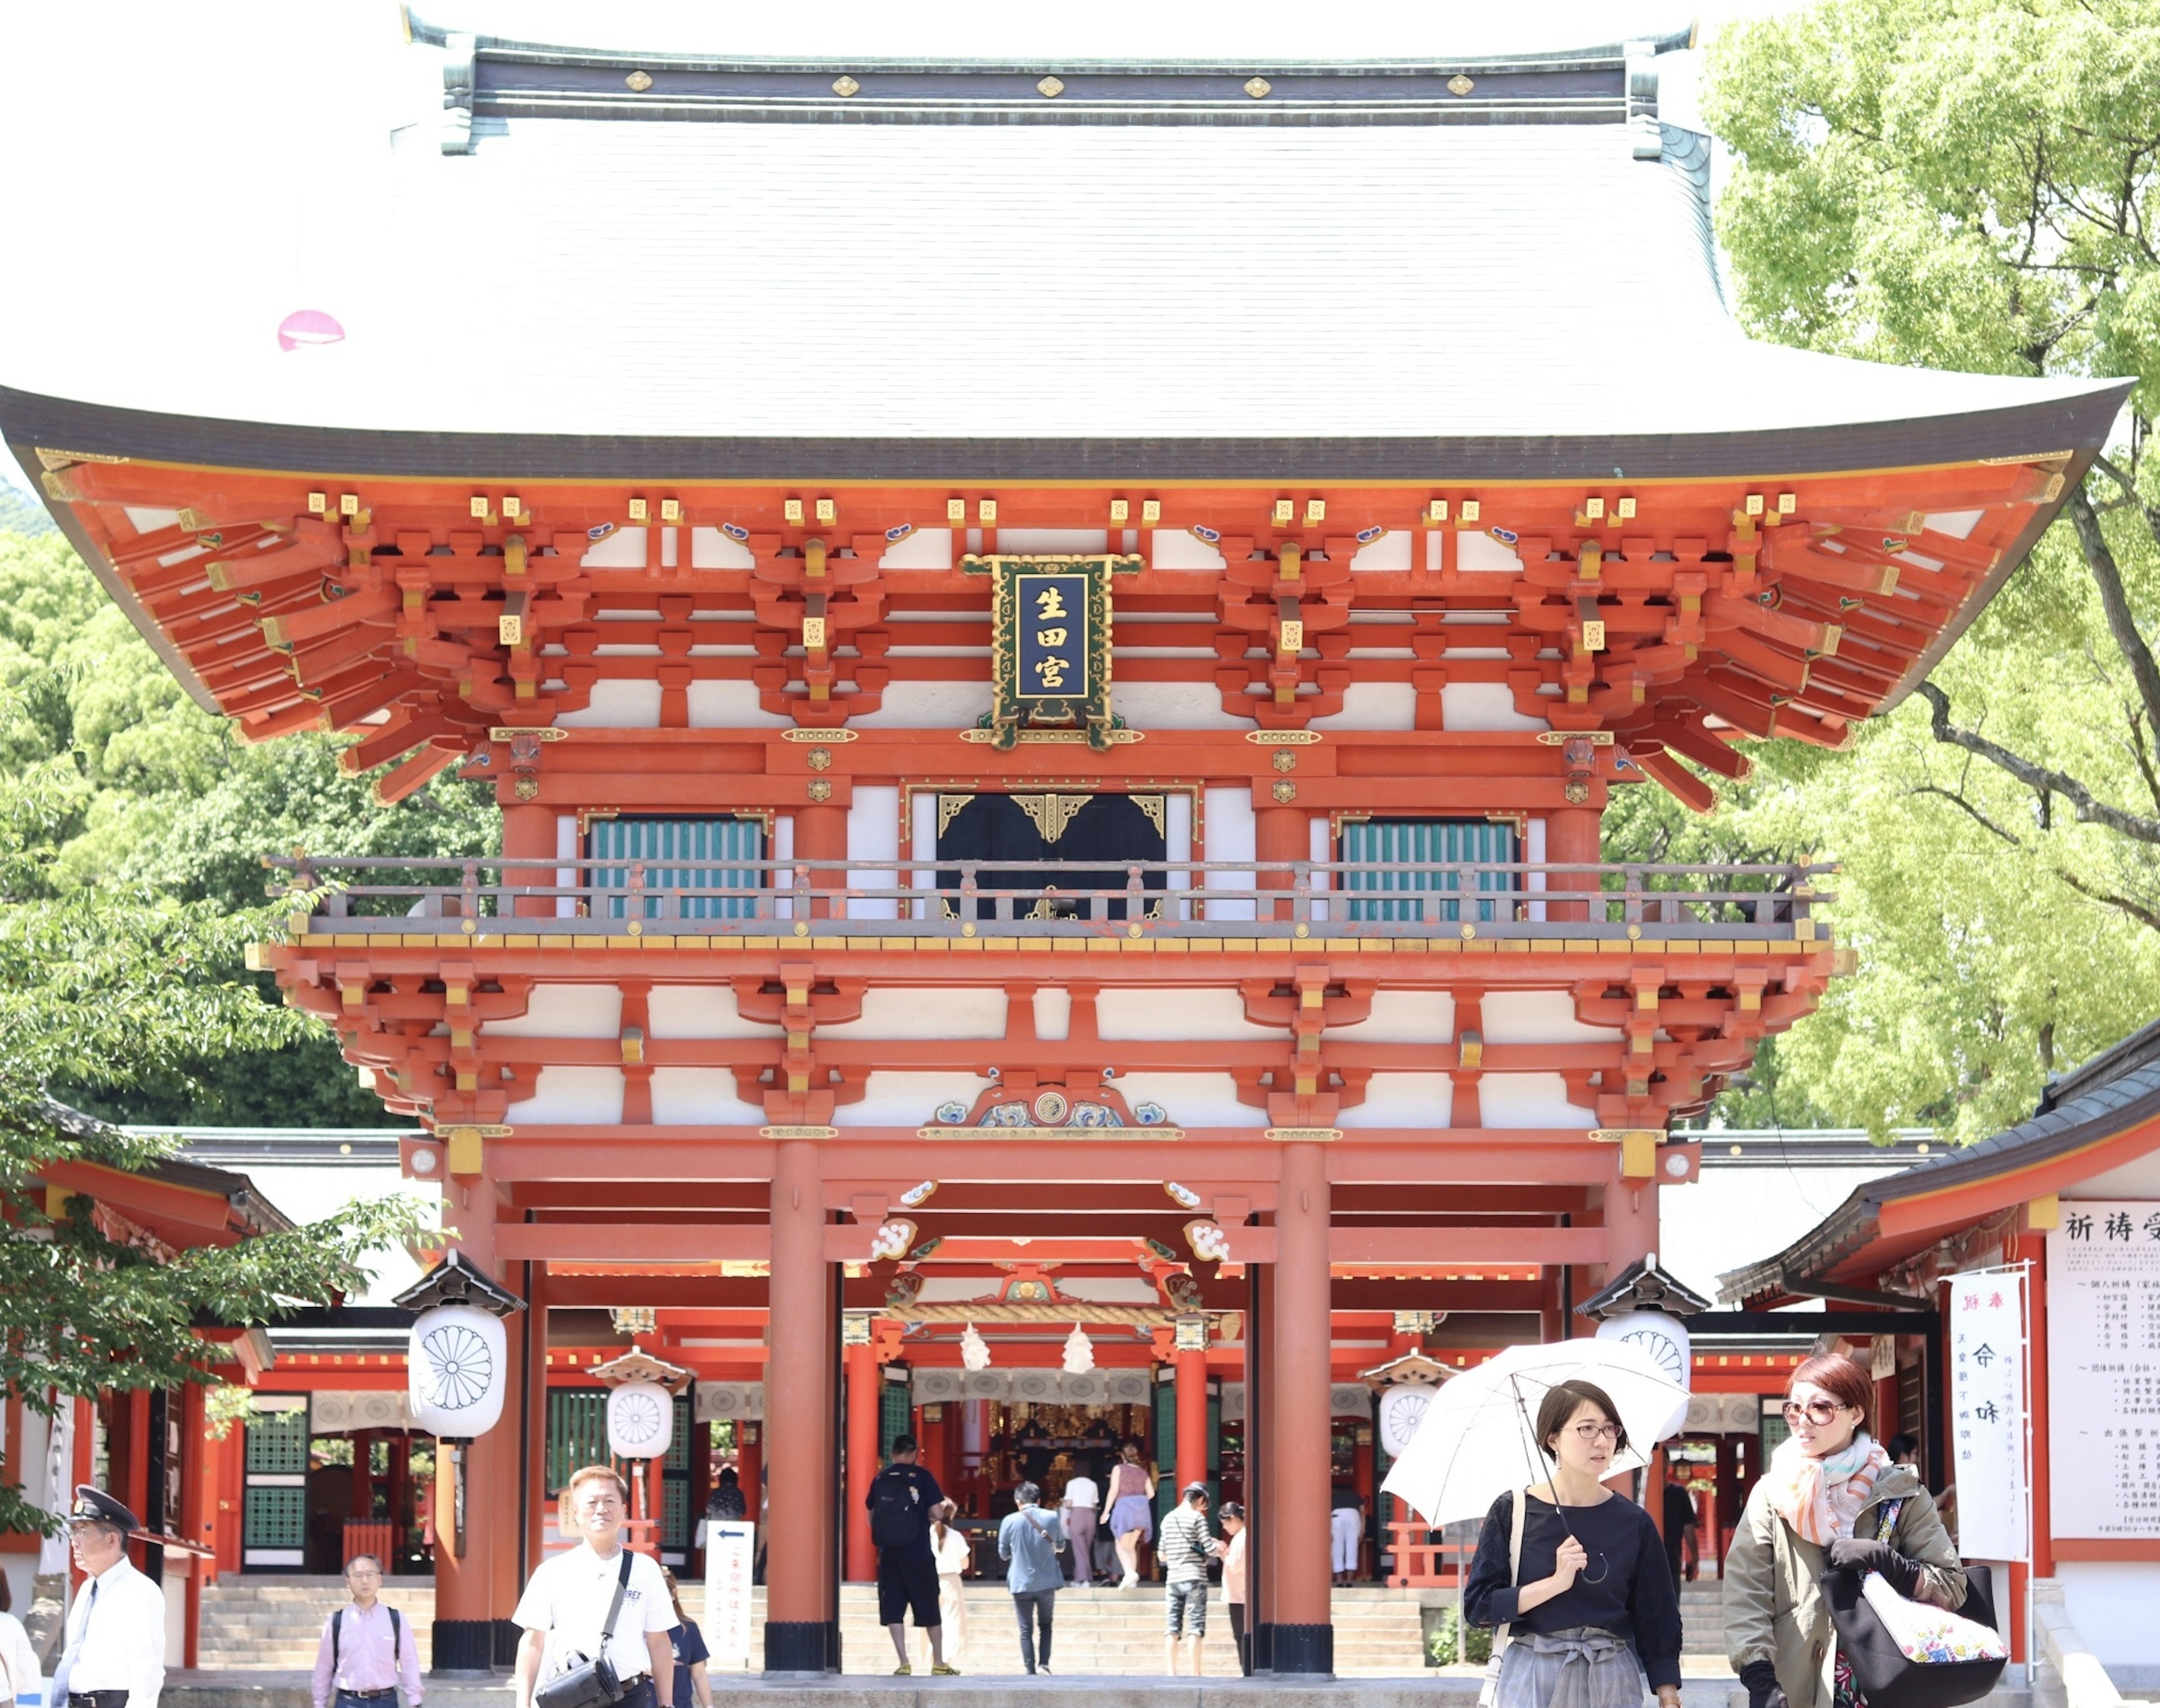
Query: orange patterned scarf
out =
(1820, 1497)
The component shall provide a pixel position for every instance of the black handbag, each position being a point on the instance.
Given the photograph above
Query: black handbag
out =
(1882, 1671)
(590, 1684)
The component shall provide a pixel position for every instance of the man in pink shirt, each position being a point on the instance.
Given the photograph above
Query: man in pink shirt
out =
(367, 1650)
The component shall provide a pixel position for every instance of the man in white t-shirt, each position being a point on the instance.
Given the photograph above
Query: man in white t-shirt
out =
(1075, 1508)
(565, 1607)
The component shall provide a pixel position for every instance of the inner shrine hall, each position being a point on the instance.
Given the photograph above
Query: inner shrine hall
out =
(1052, 624)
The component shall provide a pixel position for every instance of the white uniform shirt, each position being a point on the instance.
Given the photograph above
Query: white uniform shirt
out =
(568, 1598)
(118, 1636)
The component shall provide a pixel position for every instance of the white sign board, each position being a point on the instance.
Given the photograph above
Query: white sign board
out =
(730, 1554)
(1987, 1413)
(2104, 1368)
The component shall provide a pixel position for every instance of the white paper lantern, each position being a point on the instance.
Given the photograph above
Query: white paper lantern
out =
(1664, 1339)
(974, 1350)
(640, 1420)
(1079, 1352)
(1401, 1410)
(458, 1367)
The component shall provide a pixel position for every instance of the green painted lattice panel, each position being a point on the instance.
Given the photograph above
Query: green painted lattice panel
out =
(681, 853)
(674, 1514)
(276, 1517)
(277, 1443)
(896, 1415)
(577, 1432)
(1421, 850)
(678, 1448)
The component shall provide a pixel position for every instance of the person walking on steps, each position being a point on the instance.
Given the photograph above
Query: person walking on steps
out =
(365, 1653)
(1830, 1497)
(601, 1601)
(1346, 1533)
(1187, 1545)
(1234, 1584)
(900, 1500)
(1029, 1538)
(693, 1684)
(114, 1656)
(1076, 1511)
(1576, 1574)
(1129, 1510)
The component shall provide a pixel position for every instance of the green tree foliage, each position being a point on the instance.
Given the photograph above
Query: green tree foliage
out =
(1971, 184)
(131, 807)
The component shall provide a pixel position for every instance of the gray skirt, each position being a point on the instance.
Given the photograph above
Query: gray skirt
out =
(1581, 1667)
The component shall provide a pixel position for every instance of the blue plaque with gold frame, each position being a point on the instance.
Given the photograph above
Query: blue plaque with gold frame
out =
(1050, 642)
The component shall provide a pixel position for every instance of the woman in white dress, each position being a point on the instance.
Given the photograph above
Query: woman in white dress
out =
(20, 1674)
(955, 1554)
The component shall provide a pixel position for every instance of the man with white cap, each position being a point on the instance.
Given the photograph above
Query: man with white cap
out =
(114, 1656)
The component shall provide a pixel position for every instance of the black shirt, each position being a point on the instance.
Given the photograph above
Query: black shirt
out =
(927, 1495)
(1679, 1512)
(1633, 1597)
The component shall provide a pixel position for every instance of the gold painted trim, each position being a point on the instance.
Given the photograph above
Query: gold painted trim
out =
(818, 735)
(1303, 1135)
(1075, 738)
(1283, 738)
(1050, 1134)
(541, 732)
(1561, 738)
(798, 1132)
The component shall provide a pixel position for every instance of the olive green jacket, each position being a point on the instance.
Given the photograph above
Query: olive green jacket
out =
(1775, 1609)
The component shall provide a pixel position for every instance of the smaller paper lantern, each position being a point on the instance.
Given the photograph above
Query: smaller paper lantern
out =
(307, 329)
(640, 1420)
(1665, 1339)
(1402, 1408)
(457, 1362)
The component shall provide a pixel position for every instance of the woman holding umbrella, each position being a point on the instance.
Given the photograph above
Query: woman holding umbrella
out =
(1821, 1503)
(1589, 1603)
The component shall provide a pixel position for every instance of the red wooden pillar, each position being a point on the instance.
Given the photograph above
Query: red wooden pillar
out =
(529, 830)
(2033, 1248)
(1280, 833)
(1262, 1479)
(539, 1510)
(188, 1522)
(864, 1380)
(1191, 1368)
(799, 1631)
(1304, 1638)
(821, 833)
(749, 1458)
(1571, 838)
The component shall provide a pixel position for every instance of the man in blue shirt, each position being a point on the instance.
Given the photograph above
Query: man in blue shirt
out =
(1029, 1538)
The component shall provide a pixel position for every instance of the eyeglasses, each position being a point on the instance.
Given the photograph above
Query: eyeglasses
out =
(1817, 1412)
(1590, 1432)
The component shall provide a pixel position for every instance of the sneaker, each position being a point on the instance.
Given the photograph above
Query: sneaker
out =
(903, 1671)
(1045, 1667)
(943, 1670)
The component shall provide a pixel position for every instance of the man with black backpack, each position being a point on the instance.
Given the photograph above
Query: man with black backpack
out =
(365, 1652)
(902, 1498)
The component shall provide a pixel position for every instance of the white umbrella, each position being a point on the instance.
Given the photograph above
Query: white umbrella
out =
(1477, 1438)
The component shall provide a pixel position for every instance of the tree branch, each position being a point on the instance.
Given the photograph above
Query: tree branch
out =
(1959, 802)
(2137, 910)
(2122, 478)
(2038, 778)
(2122, 623)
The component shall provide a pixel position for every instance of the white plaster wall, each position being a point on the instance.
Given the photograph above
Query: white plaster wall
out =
(1373, 705)
(926, 1011)
(623, 549)
(1539, 1017)
(1404, 1100)
(1028, 542)
(711, 549)
(700, 1097)
(1958, 524)
(565, 1011)
(1172, 705)
(1148, 1012)
(1529, 1100)
(1404, 1017)
(907, 1099)
(873, 835)
(1175, 548)
(927, 705)
(701, 1011)
(1477, 550)
(1177, 834)
(1391, 551)
(617, 703)
(728, 705)
(1483, 705)
(1229, 838)
(572, 1096)
(925, 548)
(2112, 1602)
(1053, 1013)
(1192, 1099)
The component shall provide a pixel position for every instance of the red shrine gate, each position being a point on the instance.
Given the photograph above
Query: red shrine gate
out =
(876, 927)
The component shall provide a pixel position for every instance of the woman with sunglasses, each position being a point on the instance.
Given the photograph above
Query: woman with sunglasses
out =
(1820, 1504)
(1590, 1608)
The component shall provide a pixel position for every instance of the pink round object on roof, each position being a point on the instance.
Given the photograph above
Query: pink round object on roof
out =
(305, 328)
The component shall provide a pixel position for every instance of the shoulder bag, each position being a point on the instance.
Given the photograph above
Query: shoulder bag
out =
(1913, 1654)
(591, 1684)
(1057, 1542)
(1490, 1688)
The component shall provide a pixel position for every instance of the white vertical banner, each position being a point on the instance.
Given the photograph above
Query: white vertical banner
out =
(1989, 1439)
(57, 1497)
(730, 1556)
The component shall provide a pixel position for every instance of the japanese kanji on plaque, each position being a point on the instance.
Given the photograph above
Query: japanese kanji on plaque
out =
(2104, 1368)
(1050, 642)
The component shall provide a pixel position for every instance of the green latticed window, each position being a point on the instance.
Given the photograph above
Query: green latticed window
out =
(681, 853)
(277, 1442)
(1423, 881)
(577, 1432)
